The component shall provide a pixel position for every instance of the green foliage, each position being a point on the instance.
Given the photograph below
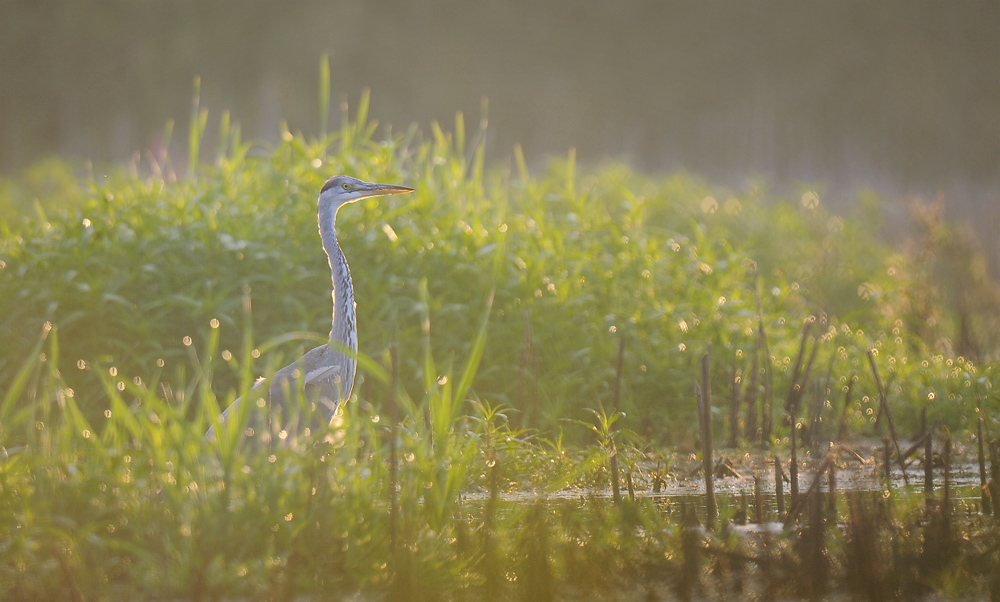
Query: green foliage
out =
(138, 504)
(133, 269)
(133, 307)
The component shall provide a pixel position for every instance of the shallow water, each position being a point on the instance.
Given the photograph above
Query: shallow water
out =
(732, 494)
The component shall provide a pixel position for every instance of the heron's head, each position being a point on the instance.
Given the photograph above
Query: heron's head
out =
(341, 190)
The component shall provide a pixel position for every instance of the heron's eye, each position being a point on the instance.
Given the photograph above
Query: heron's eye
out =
(347, 186)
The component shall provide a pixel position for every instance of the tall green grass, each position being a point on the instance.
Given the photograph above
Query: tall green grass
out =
(141, 506)
(138, 504)
(492, 303)
(135, 266)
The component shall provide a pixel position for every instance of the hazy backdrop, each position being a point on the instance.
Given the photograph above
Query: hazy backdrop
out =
(903, 97)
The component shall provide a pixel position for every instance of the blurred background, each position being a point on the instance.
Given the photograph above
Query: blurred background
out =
(902, 98)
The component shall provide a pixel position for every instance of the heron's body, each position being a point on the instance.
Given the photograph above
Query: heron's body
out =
(308, 392)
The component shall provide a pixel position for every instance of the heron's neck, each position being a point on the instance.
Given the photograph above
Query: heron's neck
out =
(343, 330)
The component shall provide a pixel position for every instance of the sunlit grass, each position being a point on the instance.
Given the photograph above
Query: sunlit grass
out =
(140, 504)
(491, 304)
(134, 269)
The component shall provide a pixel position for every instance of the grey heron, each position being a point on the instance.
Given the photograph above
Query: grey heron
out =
(322, 379)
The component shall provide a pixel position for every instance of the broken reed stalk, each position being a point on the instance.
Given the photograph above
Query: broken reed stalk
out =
(734, 408)
(915, 446)
(793, 466)
(946, 501)
(984, 492)
(758, 501)
(795, 391)
(994, 484)
(842, 427)
(815, 562)
(928, 459)
(884, 405)
(805, 378)
(619, 375)
(779, 487)
(752, 431)
(832, 489)
(886, 462)
(804, 498)
(865, 566)
(704, 395)
(816, 424)
(945, 544)
(689, 578)
(765, 408)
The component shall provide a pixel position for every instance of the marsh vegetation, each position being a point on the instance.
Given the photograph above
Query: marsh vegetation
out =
(523, 335)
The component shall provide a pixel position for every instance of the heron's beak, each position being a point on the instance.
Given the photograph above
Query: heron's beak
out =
(369, 189)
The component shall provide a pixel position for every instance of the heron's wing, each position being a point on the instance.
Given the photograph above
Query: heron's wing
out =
(326, 381)
(258, 390)
(278, 391)
(319, 377)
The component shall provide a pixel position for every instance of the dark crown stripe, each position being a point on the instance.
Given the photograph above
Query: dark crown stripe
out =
(327, 185)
